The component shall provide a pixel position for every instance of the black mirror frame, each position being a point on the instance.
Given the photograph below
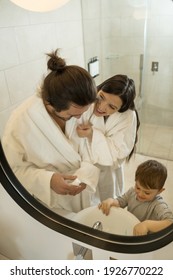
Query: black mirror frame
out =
(85, 234)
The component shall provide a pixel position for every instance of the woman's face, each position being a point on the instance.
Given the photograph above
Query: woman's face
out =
(107, 104)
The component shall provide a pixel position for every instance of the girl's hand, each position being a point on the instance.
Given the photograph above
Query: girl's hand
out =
(85, 130)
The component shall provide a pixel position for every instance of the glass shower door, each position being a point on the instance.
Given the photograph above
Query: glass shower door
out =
(156, 132)
(135, 37)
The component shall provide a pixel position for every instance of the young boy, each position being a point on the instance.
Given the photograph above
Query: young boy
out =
(144, 200)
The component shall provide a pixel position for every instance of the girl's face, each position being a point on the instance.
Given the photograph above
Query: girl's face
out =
(107, 104)
(144, 194)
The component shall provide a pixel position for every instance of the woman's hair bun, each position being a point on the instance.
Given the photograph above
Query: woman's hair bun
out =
(55, 63)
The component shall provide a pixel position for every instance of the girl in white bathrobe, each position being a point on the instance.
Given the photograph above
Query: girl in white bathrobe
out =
(37, 143)
(110, 135)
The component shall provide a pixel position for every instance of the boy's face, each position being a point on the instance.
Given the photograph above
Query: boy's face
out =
(144, 194)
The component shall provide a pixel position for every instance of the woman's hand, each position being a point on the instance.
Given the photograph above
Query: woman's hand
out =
(59, 184)
(85, 130)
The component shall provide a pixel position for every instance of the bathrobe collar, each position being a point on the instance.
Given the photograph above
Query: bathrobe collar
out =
(42, 119)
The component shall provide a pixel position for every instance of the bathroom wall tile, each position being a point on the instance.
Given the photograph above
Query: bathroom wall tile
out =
(124, 12)
(91, 13)
(170, 156)
(117, 9)
(153, 26)
(75, 35)
(23, 79)
(74, 56)
(12, 15)
(8, 54)
(127, 26)
(135, 45)
(161, 142)
(138, 26)
(70, 11)
(163, 105)
(146, 135)
(164, 43)
(93, 49)
(157, 7)
(155, 141)
(5, 100)
(156, 150)
(92, 30)
(166, 23)
(4, 115)
(166, 67)
(34, 41)
(110, 27)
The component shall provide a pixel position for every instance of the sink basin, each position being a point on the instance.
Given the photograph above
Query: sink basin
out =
(119, 221)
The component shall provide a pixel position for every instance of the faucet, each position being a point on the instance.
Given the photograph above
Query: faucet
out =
(98, 225)
(82, 252)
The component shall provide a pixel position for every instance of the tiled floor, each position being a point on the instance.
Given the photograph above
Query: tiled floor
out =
(130, 168)
(156, 141)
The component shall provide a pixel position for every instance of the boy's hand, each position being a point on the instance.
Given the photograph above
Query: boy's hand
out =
(140, 229)
(106, 205)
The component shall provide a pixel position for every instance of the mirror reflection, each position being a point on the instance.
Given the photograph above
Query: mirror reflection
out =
(92, 142)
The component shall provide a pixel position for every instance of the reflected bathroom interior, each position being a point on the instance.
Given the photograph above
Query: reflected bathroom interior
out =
(126, 36)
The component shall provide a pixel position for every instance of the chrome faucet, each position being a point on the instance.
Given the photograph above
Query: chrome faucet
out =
(98, 225)
(81, 252)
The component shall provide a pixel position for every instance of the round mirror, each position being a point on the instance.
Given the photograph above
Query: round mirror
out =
(124, 43)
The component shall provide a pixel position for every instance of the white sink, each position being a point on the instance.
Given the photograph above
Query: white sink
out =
(119, 221)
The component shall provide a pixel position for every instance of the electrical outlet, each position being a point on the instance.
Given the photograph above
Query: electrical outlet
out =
(155, 66)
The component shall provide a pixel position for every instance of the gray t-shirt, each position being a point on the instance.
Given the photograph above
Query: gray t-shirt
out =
(156, 209)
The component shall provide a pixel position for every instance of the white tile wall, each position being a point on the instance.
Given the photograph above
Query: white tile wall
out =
(23, 79)
(8, 48)
(35, 40)
(12, 15)
(25, 37)
(5, 99)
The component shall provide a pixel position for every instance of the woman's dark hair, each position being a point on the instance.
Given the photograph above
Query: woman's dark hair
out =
(123, 87)
(66, 84)
(151, 174)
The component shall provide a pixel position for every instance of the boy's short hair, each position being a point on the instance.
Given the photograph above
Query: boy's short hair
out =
(151, 174)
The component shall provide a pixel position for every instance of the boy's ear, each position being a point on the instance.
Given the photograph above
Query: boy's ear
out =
(161, 190)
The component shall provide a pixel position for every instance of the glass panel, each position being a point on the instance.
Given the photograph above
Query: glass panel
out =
(136, 38)
(156, 137)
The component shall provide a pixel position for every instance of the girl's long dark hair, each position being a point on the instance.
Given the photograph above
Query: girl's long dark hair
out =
(123, 87)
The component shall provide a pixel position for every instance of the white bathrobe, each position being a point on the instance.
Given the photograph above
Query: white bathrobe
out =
(36, 147)
(112, 142)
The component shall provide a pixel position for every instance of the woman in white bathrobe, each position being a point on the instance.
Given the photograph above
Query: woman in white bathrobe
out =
(37, 143)
(110, 135)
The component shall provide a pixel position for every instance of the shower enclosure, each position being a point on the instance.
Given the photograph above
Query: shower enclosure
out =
(135, 37)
